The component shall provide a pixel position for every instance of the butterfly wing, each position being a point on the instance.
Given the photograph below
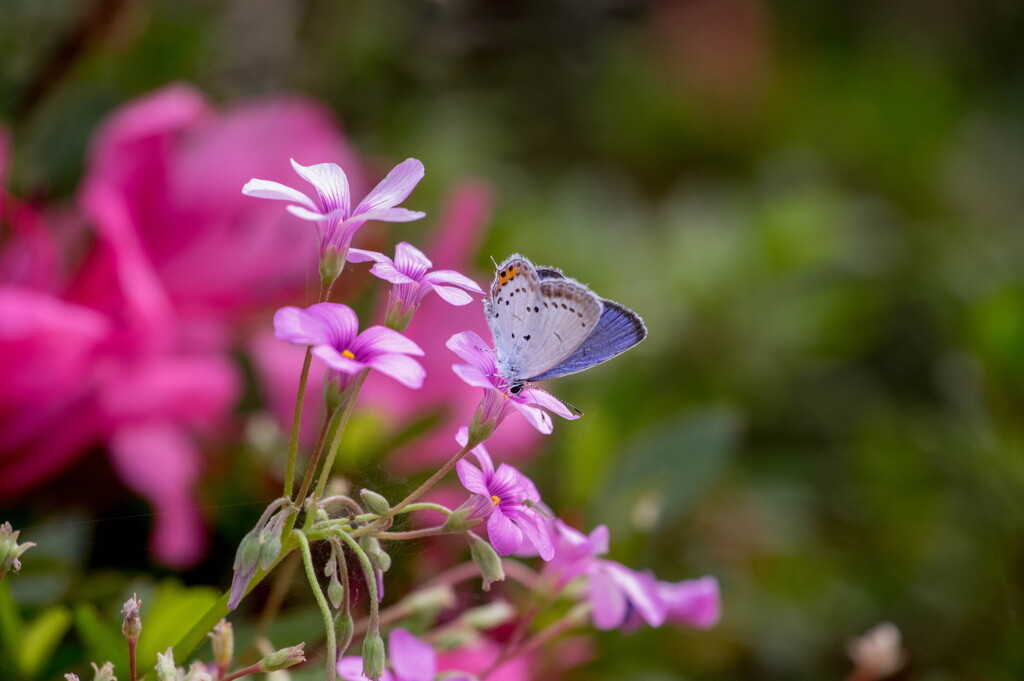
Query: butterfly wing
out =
(617, 330)
(537, 320)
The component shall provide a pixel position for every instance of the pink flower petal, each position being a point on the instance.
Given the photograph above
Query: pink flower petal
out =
(266, 189)
(388, 272)
(472, 478)
(402, 368)
(452, 278)
(394, 188)
(473, 376)
(331, 184)
(360, 255)
(320, 324)
(411, 658)
(454, 296)
(534, 528)
(537, 417)
(315, 216)
(607, 599)
(384, 215)
(505, 537)
(642, 591)
(382, 339)
(408, 258)
(694, 602)
(548, 401)
(337, 361)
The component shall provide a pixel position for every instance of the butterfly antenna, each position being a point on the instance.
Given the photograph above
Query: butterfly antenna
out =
(494, 261)
(570, 405)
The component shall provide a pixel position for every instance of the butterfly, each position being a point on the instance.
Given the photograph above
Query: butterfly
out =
(546, 325)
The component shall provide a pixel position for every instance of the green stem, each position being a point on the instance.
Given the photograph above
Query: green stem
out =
(293, 442)
(413, 534)
(350, 402)
(327, 432)
(325, 608)
(371, 580)
(425, 487)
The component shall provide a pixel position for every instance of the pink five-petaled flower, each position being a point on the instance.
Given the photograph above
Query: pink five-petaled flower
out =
(621, 597)
(337, 221)
(498, 401)
(333, 331)
(409, 272)
(411, 660)
(508, 499)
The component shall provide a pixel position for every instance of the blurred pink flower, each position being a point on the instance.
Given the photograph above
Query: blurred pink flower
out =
(162, 187)
(130, 350)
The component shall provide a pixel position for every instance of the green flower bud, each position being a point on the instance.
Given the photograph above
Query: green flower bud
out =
(375, 502)
(344, 627)
(284, 658)
(270, 541)
(331, 263)
(487, 559)
(460, 520)
(335, 592)
(431, 600)
(373, 656)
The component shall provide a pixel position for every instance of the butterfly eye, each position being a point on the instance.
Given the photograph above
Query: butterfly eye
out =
(516, 388)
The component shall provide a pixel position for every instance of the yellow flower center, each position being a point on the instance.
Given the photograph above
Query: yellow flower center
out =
(348, 353)
(495, 500)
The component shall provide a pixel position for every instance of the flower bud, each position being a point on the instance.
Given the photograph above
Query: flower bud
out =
(246, 559)
(344, 627)
(331, 264)
(482, 426)
(461, 519)
(10, 549)
(399, 313)
(270, 540)
(335, 592)
(71, 677)
(378, 557)
(165, 669)
(284, 658)
(131, 627)
(222, 640)
(375, 502)
(487, 559)
(373, 655)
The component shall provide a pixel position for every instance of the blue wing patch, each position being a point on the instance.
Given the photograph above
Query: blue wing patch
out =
(617, 330)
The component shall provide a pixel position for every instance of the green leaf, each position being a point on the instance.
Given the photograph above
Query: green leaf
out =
(41, 639)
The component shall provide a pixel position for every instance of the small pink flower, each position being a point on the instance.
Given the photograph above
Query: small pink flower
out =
(333, 331)
(413, 281)
(621, 596)
(337, 222)
(498, 401)
(692, 602)
(508, 500)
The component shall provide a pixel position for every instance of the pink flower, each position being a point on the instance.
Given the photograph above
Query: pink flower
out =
(413, 281)
(332, 330)
(618, 594)
(498, 402)
(574, 551)
(508, 500)
(692, 602)
(337, 222)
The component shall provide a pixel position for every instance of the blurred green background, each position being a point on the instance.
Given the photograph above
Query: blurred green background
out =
(817, 208)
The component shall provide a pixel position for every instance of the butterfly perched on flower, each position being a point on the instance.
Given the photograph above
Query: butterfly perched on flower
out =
(547, 325)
